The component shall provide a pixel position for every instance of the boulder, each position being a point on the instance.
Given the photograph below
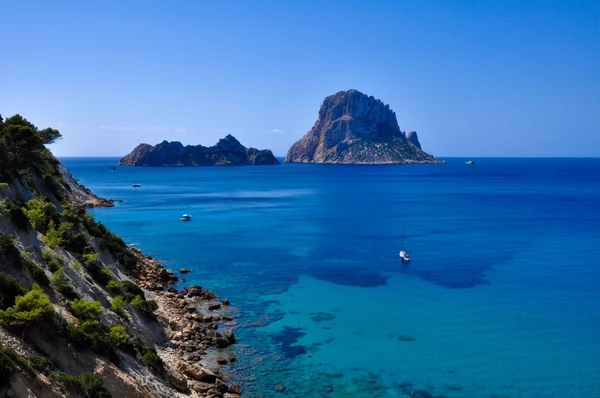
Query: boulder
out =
(177, 380)
(197, 372)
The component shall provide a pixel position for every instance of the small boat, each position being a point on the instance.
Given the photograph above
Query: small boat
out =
(186, 217)
(404, 255)
(470, 162)
(136, 185)
(111, 168)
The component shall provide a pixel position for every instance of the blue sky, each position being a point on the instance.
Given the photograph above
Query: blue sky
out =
(473, 78)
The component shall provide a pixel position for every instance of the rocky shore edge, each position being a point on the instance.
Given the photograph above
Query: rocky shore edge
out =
(191, 318)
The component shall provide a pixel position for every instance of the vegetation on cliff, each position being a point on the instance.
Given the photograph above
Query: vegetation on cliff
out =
(70, 312)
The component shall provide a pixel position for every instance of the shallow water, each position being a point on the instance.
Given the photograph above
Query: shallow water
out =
(501, 298)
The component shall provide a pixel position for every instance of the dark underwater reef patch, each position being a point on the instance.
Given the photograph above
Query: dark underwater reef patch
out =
(287, 337)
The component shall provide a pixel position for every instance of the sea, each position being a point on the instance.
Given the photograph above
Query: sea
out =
(501, 298)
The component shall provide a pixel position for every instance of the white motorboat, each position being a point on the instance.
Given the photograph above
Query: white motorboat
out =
(136, 185)
(186, 217)
(404, 256)
(469, 162)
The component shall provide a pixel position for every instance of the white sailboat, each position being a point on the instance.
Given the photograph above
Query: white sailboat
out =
(404, 255)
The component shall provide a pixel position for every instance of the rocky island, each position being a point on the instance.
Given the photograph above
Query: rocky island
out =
(227, 152)
(353, 128)
(81, 313)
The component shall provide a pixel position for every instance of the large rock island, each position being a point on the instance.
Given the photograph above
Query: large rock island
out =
(355, 128)
(227, 152)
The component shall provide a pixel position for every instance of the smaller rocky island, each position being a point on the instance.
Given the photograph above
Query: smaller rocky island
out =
(353, 128)
(227, 152)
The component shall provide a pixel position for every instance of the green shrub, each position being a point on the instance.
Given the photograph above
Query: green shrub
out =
(9, 254)
(53, 262)
(90, 258)
(89, 279)
(89, 385)
(40, 214)
(60, 283)
(10, 288)
(93, 227)
(117, 247)
(147, 307)
(151, 360)
(34, 304)
(39, 363)
(95, 338)
(17, 216)
(126, 289)
(7, 367)
(38, 274)
(86, 310)
(53, 237)
(91, 326)
(117, 304)
(118, 335)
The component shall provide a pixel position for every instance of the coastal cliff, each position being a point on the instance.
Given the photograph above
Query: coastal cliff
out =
(354, 128)
(227, 152)
(81, 313)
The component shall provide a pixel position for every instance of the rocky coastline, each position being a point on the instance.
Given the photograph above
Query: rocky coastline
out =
(227, 152)
(191, 318)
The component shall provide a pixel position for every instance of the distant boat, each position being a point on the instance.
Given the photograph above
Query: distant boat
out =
(136, 185)
(404, 256)
(111, 168)
(470, 162)
(186, 217)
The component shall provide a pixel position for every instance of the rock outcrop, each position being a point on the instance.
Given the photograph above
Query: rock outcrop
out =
(414, 139)
(355, 128)
(227, 152)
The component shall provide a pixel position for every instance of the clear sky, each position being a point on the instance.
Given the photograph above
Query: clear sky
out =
(473, 78)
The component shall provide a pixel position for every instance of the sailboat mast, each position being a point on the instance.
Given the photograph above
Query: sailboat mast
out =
(402, 243)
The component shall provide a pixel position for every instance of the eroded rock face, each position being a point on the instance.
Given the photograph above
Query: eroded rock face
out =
(355, 128)
(227, 152)
(414, 139)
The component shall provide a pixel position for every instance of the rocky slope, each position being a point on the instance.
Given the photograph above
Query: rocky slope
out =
(227, 152)
(81, 313)
(355, 128)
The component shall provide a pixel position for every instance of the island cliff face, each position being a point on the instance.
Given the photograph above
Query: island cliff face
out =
(355, 128)
(227, 152)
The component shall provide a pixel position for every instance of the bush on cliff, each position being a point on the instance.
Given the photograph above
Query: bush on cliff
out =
(89, 385)
(10, 288)
(86, 310)
(146, 306)
(117, 304)
(9, 254)
(40, 214)
(60, 283)
(33, 305)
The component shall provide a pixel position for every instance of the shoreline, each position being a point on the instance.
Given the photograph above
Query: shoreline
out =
(191, 319)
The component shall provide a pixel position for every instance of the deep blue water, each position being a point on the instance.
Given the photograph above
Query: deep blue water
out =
(501, 299)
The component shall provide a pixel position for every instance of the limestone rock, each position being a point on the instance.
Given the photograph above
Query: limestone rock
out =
(355, 128)
(227, 152)
(414, 139)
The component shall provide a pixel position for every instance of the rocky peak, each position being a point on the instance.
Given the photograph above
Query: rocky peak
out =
(356, 128)
(414, 139)
(230, 144)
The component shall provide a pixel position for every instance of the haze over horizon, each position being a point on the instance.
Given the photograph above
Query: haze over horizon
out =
(473, 78)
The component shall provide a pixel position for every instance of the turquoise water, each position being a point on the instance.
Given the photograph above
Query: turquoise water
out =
(501, 299)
